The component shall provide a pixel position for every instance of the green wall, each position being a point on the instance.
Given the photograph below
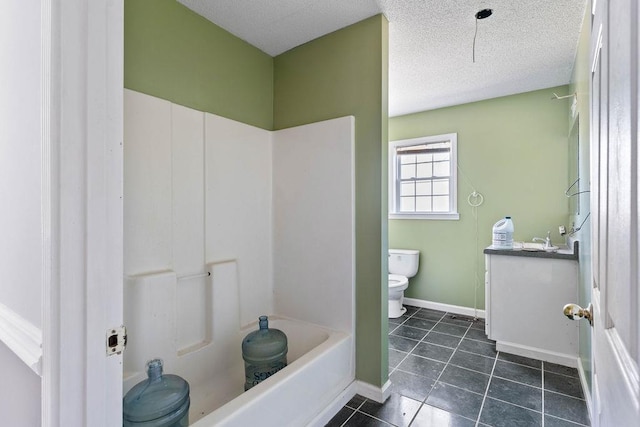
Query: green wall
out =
(172, 53)
(513, 150)
(345, 73)
(580, 85)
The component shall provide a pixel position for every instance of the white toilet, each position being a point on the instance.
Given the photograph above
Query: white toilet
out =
(403, 264)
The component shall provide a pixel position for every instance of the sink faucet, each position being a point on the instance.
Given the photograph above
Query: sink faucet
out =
(547, 241)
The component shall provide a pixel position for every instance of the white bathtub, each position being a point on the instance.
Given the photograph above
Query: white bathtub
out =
(320, 367)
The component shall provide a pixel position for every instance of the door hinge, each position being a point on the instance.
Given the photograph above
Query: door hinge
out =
(116, 340)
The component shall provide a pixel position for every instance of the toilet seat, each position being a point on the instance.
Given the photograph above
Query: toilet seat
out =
(398, 282)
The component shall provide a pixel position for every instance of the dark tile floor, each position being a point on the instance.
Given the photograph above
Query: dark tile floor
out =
(445, 372)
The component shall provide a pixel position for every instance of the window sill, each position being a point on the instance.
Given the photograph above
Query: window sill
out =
(450, 216)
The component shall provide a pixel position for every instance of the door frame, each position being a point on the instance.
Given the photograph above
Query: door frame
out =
(614, 136)
(82, 59)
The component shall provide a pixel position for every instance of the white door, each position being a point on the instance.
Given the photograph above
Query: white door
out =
(81, 148)
(61, 211)
(615, 226)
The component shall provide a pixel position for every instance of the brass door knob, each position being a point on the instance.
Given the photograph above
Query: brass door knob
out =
(574, 311)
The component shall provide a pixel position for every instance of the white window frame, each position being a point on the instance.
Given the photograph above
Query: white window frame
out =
(394, 189)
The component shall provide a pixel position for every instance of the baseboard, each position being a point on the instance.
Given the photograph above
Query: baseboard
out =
(585, 389)
(457, 309)
(537, 353)
(378, 394)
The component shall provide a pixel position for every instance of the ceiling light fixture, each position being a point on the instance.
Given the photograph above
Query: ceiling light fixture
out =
(484, 13)
(481, 14)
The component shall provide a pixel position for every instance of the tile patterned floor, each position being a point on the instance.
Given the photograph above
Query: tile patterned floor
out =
(445, 372)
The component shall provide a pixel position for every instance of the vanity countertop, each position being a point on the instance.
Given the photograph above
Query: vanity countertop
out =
(570, 253)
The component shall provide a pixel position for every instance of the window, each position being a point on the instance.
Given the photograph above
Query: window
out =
(422, 178)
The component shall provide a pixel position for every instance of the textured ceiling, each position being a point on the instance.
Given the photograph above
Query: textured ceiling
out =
(525, 45)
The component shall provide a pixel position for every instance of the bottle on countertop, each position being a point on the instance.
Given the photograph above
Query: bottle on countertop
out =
(503, 234)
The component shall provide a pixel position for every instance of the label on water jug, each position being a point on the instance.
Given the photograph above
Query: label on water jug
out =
(255, 374)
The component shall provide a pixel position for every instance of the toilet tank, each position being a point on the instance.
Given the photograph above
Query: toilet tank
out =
(404, 262)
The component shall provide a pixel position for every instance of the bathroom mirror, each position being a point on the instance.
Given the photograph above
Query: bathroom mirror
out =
(573, 184)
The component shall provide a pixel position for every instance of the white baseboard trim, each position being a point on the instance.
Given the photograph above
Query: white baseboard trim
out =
(585, 389)
(372, 392)
(540, 354)
(378, 394)
(22, 338)
(457, 309)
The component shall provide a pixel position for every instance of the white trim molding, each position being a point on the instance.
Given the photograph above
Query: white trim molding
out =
(538, 353)
(457, 309)
(395, 183)
(82, 120)
(585, 388)
(378, 394)
(22, 337)
(453, 216)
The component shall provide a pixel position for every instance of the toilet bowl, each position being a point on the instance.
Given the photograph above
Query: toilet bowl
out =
(397, 285)
(403, 264)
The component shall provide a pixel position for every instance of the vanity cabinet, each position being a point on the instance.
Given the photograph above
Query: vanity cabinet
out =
(524, 297)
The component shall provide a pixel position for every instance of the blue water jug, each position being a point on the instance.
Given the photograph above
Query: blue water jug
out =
(159, 401)
(264, 352)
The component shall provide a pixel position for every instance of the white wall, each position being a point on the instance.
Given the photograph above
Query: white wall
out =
(20, 195)
(19, 392)
(208, 194)
(20, 158)
(313, 202)
(197, 200)
(238, 209)
(147, 190)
